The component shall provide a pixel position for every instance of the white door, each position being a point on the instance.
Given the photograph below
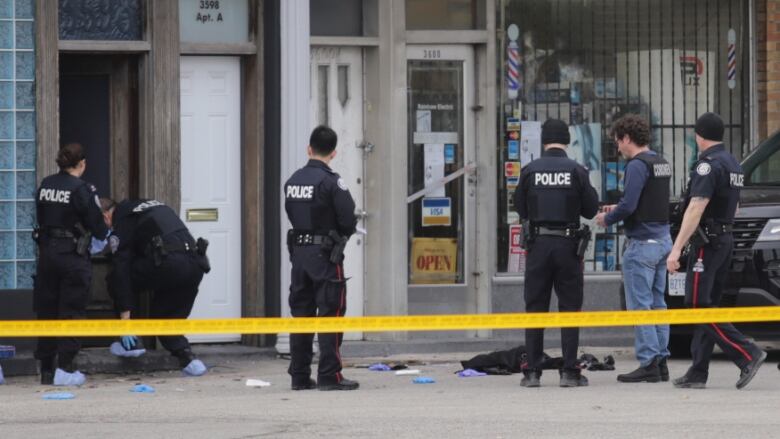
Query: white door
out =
(337, 101)
(210, 180)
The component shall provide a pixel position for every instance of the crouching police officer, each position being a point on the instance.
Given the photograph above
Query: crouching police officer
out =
(554, 192)
(322, 214)
(711, 203)
(153, 250)
(69, 214)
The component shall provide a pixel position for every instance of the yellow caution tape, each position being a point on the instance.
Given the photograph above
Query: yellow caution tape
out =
(59, 328)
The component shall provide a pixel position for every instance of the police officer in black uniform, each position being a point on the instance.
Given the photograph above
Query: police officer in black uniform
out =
(322, 213)
(553, 193)
(153, 250)
(68, 214)
(712, 200)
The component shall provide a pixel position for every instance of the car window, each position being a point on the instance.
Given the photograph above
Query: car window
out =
(767, 172)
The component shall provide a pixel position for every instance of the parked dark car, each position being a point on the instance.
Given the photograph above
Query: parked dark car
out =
(754, 276)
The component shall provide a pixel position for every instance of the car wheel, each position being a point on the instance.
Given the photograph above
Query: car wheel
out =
(680, 345)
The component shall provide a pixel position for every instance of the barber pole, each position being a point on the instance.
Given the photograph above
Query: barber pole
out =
(513, 61)
(732, 59)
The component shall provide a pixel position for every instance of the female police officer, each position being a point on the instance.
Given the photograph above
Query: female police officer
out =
(68, 212)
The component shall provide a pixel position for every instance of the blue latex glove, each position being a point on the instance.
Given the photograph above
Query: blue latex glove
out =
(58, 395)
(468, 373)
(119, 351)
(129, 342)
(97, 246)
(142, 388)
(423, 380)
(379, 367)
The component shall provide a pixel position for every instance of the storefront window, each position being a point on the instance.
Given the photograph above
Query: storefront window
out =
(445, 14)
(101, 20)
(435, 151)
(590, 62)
(343, 18)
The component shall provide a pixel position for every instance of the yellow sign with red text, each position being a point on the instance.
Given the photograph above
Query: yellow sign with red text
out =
(434, 261)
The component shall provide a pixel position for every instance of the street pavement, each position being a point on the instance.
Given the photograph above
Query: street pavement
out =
(220, 405)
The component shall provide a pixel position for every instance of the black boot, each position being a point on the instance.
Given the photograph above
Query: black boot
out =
(185, 356)
(304, 385)
(649, 374)
(663, 369)
(531, 379)
(691, 380)
(47, 371)
(570, 378)
(343, 384)
(750, 370)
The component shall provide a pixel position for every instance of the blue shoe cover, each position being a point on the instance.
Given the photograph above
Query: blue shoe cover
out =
(117, 349)
(196, 368)
(62, 378)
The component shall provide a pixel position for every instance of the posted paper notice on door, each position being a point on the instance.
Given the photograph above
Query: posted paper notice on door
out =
(436, 212)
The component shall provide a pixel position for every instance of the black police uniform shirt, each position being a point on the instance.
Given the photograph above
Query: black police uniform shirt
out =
(317, 201)
(555, 191)
(718, 177)
(136, 222)
(63, 200)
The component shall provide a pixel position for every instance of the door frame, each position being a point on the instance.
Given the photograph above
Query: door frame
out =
(465, 53)
(158, 117)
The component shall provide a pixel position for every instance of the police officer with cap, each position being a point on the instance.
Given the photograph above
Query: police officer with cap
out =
(322, 213)
(68, 215)
(553, 193)
(153, 250)
(712, 199)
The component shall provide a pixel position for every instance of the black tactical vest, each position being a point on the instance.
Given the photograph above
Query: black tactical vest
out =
(730, 180)
(308, 207)
(156, 219)
(653, 202)
(554, 192)
(56, 202)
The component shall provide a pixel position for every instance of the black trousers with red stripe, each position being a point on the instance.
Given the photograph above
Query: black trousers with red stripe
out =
(704, 290)
(317, 289)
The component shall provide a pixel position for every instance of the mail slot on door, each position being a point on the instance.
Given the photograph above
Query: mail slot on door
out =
(203, 214)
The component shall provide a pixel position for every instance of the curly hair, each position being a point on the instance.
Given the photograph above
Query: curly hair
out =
(634, 126)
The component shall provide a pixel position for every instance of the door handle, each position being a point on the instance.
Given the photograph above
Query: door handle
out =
(210, 214)
(361, 214)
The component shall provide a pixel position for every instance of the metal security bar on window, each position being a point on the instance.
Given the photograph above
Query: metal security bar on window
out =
(589, 62)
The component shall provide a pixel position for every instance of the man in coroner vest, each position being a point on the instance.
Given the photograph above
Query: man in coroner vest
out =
(643, 210)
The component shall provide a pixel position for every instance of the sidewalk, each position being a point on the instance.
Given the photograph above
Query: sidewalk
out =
(100, 360)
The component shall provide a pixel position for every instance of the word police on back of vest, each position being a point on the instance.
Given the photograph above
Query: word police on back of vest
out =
(146, 205)
(736, 179)
(297, 192)
(662, 170)
(55, 196)
(553, 179)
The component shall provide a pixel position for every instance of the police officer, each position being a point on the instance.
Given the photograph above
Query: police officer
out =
(153, 250)
(553, 193)
(322, 213)
(712, 199)
(68, 213)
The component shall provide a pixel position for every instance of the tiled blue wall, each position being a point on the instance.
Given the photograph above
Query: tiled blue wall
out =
(17, 143)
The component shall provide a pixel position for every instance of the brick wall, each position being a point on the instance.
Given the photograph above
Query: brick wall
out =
(768, 65)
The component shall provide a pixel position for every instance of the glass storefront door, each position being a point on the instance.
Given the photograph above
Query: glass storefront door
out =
(440, 148)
